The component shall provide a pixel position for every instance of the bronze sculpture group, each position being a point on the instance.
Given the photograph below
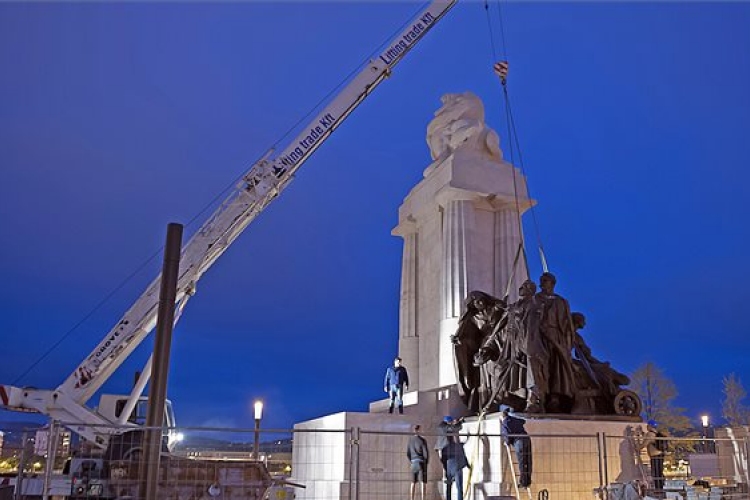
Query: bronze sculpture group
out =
(530, 355)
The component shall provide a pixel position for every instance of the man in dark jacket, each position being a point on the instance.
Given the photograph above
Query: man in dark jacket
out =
(514, 434)
(448, 427)
(419, 455)
(454, 461)
(396, 382)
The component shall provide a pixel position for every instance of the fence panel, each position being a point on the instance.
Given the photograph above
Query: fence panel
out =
(568, 467)
(681, 468)
(323, 463)
(358, 464)
(384, 469)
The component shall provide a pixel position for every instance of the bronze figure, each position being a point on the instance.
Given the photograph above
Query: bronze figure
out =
(530, 356)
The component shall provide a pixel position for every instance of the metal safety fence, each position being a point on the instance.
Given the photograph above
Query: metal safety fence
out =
(359, 464)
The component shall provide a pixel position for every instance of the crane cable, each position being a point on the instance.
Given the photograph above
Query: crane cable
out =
(501, 69)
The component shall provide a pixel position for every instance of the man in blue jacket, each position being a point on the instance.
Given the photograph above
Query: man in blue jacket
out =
(514, 435)
(396, 382)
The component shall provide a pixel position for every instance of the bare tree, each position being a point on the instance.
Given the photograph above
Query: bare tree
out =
(657, 392)
(732, 409)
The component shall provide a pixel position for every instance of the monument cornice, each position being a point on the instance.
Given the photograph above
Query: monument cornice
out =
(405, 227)
(463, 176)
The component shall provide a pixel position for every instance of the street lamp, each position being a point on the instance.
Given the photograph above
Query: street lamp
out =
(258, 405)
(708, 446)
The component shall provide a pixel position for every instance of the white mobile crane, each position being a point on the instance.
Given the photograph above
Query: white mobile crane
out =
(263, 182)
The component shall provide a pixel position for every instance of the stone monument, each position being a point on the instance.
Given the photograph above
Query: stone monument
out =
(461, 226)
(461, 230)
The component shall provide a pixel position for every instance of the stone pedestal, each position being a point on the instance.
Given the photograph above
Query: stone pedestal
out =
(570, 457)
(357, 456)
(363, 455)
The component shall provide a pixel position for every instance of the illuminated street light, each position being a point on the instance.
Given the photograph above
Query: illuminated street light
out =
(704, 421)
(258, 416)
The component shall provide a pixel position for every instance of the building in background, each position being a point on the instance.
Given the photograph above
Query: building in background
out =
(41, 442)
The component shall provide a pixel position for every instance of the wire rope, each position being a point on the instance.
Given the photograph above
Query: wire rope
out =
(86, 317)
(511, 143)
(514, 144)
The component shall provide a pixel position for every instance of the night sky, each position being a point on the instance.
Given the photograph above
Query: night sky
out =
(116, 119)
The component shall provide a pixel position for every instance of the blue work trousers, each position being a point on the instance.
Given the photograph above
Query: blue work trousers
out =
(396, 393)
(454, 473)
(522, 447)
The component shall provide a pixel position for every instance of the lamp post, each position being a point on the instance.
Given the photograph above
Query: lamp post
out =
(710, 446)
(707, 448)
(258, 406)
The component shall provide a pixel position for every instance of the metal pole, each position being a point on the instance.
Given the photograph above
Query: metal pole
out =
(21, 466)
(357, 436)
(139, 384)
(256, 443)
(158, 389)
(350, 433)
(604, 454)
(49, 466)
(602, 458)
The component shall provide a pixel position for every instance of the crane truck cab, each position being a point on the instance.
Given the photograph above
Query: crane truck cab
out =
(86, 476)
(125, 441)
(111, 407)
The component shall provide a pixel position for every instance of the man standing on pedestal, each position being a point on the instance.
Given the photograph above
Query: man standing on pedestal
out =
(396, 382)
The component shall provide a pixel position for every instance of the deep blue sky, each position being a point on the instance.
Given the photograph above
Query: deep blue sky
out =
(634, 120)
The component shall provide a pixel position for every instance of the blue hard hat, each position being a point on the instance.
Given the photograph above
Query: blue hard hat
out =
(447, 419)
(653, 423)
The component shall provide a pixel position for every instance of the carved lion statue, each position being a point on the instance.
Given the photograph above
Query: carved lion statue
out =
(459, 124)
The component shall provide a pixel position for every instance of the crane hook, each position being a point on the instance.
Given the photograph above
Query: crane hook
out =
(501, 70)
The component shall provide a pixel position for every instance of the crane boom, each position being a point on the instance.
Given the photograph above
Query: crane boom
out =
(262, 183)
